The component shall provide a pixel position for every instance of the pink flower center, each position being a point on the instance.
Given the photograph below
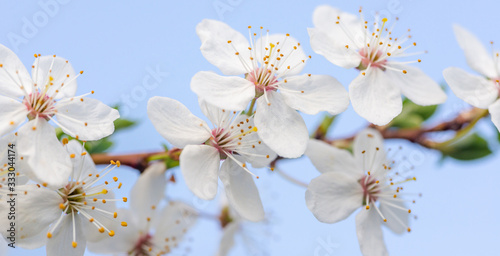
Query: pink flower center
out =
(39, 104)
(370, 189)
(142, 246)
(263, 79)
(372, 59)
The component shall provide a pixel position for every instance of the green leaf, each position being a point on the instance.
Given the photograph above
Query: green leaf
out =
(122, 123)
(99, 146)
(471, 147)
(412, 115)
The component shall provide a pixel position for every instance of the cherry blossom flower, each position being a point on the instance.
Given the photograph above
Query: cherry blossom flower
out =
(150, 231)
(233, 138)
(480, 91)
(48, 95)
(270, 66)
(363, 180)
(63, 218)
(346, 41)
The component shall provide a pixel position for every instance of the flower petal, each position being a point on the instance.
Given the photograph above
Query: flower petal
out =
(333, 196)
(293, 54)
(280, 127)
(174, 220)
(475, 90)
(56, 72)
(476, 54)
(241, 191)
(124, 239)
(312, 94)
(87, 118)
(369, 231)
(148, 190)
(214, 36)
(495, 113)
(32, 242)
(325, 18)
(375, 97)
(231, 93)
(217, 116)
(61, 242)
(48, 161)
(83, 165)
(227, 240)
(326, 44)
(368, 149)
(417, 86)
(397, 219)
(200, 167)
(13, 74)
(176, 123)
(36, 208)
(12, 115)
(327, 158)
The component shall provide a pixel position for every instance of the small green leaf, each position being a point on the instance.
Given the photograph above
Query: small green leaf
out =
(470, 147)
(99, 146)
(413, 115)
(121, 123)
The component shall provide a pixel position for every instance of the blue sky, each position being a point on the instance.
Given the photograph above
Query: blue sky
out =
(133, 50)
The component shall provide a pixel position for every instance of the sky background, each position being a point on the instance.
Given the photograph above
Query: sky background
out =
(119, 43)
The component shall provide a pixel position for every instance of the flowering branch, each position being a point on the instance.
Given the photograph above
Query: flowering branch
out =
(462, 123)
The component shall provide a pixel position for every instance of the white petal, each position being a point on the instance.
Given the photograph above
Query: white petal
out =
(176, 123)
(325, 18)
(294, 55)
(475, 90)
(32, 242)
(174, 220)
(83, 165)
(375, 97)
(368, 149)
(214, 36)
(87, 118)
(125, 237)
(232, 93)
(200, 167)
(369, 231)
(333, 196)
(36, 208)
(218, 116)
(495, 113)
(12, 115)
(227, 240)
(281, 127)
(391, 213)
(13, 74)
(148, 190)
(62, 239)
(327, 158)
(326, 44)
(241, 191)
(54, 71)
(476, 54)
(417, 86)
(48, 161)
(312, 94)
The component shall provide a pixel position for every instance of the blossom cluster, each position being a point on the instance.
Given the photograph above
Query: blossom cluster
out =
(253, 109)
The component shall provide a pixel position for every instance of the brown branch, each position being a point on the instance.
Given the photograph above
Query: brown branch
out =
(419, 136)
